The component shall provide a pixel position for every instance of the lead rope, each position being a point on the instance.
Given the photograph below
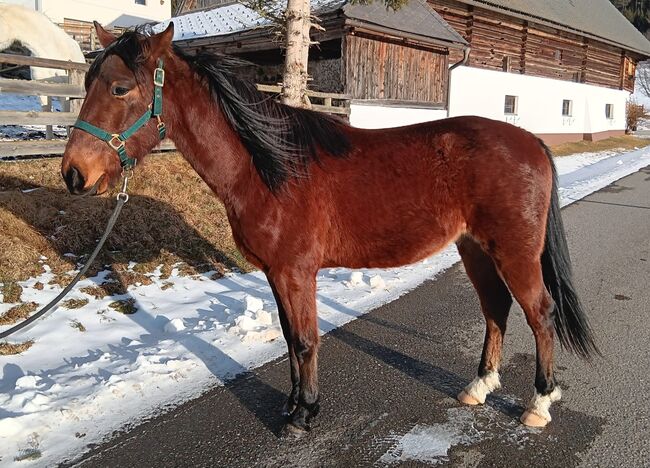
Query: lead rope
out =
(26, 324)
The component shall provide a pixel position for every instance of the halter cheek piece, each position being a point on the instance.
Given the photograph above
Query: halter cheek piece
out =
(117, 140)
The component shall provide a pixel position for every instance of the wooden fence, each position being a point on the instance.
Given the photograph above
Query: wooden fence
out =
(329, 103)
(71, 94)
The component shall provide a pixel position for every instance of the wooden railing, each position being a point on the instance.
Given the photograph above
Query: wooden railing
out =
(69, 95)
(330, 103)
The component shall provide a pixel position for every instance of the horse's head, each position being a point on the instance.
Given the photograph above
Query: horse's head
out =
(119, 90)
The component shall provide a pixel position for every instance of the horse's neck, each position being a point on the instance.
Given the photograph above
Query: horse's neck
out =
(206, 140)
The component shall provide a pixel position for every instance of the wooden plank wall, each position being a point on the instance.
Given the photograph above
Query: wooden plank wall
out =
(84, 33)
(376, 68)
(501, 42)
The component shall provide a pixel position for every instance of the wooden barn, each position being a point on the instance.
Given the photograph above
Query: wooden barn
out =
(366, 52)
(584, 51)
(563, 70)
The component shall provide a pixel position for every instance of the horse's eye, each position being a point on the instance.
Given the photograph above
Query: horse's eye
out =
(119, 91)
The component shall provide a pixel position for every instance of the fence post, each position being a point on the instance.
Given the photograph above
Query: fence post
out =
(76, 77)
(49, 133)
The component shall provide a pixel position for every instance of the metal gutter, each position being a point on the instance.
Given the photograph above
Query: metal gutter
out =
(452, 68)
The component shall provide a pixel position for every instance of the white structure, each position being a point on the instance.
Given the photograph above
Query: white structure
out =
(540, 104)
(108, 12)
(40, 36)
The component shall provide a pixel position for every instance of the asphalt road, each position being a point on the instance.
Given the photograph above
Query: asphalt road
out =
(398, 368)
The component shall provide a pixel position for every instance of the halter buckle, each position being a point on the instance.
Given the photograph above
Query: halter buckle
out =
(116, 146)
(159, 77)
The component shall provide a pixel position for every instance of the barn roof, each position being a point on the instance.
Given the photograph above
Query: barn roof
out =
(416, 18)
(598, 19)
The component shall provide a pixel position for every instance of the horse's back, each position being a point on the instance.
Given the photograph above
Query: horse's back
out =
(405, 193)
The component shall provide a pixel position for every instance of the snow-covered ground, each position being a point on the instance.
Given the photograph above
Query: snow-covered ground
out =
(73, 388)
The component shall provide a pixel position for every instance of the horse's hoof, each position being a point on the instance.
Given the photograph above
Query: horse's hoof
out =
(291, 431)
(533, 420)
(288, 409)
(467, 399)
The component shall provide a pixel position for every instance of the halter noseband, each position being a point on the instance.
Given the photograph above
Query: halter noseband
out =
(117, 140)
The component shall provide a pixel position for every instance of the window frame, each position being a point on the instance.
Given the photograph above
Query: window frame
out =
(515, 104)
(569, 108)
(609, 111)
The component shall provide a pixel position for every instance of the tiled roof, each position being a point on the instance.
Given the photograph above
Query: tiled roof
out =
(226, 19)
(415, 18)
(597, 18)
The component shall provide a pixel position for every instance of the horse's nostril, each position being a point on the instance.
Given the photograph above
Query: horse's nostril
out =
(75, 181)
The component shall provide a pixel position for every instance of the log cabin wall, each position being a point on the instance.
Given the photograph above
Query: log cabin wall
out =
(502, 42)
(379, 68)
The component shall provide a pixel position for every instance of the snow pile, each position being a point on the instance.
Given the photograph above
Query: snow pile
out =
(254, 323)
(180, 336)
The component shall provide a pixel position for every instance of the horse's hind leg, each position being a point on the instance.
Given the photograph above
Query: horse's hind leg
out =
(495, 303)
(523, 274)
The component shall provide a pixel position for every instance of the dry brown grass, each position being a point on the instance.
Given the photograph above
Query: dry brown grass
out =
(105, 289)
(75, 303)
(11, 292)
(171, 217)
(17, 313)
(14, 348)
(78, 325)
(628, 142)
(125, 306)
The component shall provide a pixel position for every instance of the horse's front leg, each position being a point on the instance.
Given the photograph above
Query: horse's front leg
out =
(295, 292)
(292, 401)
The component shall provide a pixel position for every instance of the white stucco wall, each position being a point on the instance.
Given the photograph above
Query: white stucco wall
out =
(475, 91)
(31, 4)
(376, 115)
(107, 12)
(482, 92)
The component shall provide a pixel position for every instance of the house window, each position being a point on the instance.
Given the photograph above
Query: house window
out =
(609, 111)
(510, 106)
(567, 108)
(140, 2)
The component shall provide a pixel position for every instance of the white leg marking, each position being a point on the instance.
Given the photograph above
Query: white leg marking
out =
(480, 387)
(540, 404)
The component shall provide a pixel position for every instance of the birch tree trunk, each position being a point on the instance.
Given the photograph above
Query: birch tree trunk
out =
(298, 24)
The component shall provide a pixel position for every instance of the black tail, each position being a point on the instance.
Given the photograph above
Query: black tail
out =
(571, 324)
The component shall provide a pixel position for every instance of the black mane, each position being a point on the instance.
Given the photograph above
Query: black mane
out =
(281, 140)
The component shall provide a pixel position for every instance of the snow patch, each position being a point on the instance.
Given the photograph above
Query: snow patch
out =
(174, 325)
(377, 282)
(431, 444)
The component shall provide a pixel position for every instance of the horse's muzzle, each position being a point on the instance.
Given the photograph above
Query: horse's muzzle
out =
(76, 183)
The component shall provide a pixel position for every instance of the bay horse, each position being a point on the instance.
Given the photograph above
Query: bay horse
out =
(305, 191)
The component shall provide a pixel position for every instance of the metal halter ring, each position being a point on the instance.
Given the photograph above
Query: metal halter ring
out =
(113, 145)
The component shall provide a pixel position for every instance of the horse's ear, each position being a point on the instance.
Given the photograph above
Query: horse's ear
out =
(162, 41)
(105, 37)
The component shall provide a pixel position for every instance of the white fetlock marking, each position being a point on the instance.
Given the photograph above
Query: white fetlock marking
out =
(541, 404)
(480, 387)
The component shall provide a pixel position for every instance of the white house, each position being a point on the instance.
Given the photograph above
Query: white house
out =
(113, 13)
(561, 69)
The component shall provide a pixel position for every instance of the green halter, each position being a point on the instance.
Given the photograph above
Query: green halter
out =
(117, 140)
